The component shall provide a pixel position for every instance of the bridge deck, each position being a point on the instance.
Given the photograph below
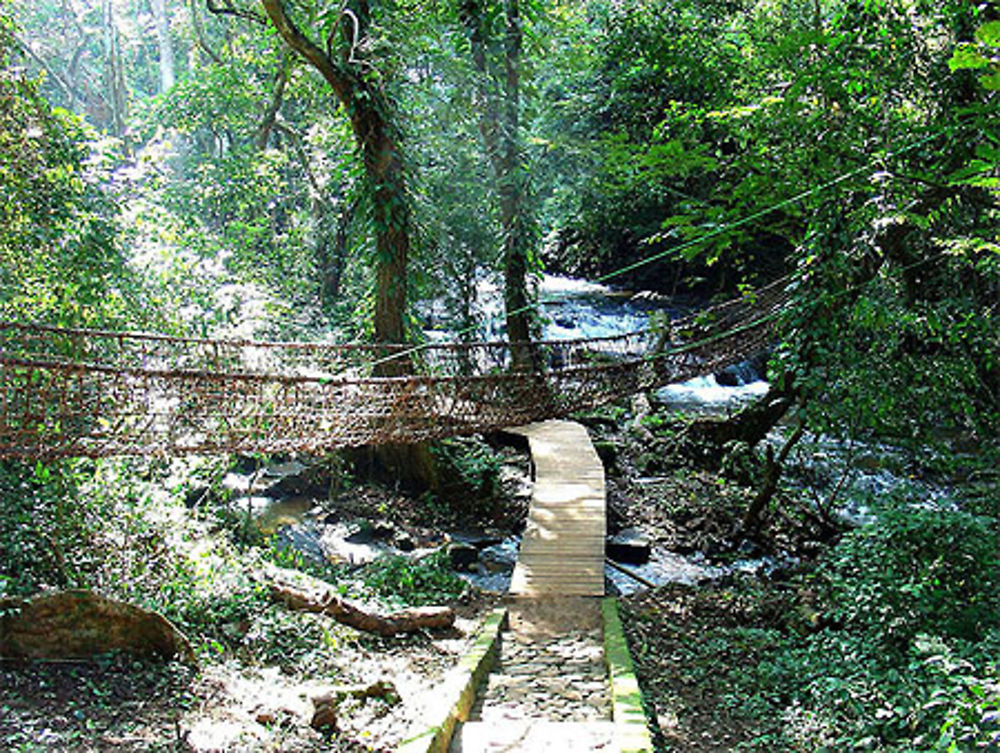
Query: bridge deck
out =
(562, 550)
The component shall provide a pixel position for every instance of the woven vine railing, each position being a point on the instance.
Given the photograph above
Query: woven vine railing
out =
(90, 393)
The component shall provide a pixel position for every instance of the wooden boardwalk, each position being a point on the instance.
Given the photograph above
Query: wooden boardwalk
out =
(562, 550)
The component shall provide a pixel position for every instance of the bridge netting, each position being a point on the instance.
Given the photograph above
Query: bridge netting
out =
(91, 393)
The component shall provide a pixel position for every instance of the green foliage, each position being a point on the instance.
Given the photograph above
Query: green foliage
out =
(904, 658)
(60, 258)
(981, 55)
(294, 641)
(918, 569)
(408, 582)
(41, 529)
(469, 467)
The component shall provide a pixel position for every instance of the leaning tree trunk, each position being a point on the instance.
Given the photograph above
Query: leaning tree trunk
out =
(370, 113)
(751, 424)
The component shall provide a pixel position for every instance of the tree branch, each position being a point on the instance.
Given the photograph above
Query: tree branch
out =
(341, 84)
(199, 34)
(65, 85)
(226, 8)
(271, 114)
(296, 138)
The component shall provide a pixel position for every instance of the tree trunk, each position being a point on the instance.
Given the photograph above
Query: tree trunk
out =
(369, 110)
(751, 424)
(167, 76)
(512, 188)
(270, 118)
(499, 125)
(115, 74)
(773, 468)
(332, 254)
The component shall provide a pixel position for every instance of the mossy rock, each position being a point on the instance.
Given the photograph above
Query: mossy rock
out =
(83, 625)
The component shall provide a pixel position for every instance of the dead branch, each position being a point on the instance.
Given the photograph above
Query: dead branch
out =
(322, 599)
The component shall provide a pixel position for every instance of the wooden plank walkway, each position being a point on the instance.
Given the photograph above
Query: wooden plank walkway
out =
(562, 550)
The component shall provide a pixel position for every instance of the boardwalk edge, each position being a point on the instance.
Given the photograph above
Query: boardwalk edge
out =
(631, 729)
(458, 689)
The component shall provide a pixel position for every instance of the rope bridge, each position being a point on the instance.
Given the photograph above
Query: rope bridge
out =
(91, 393)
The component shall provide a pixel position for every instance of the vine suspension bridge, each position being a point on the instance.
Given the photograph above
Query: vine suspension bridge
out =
(91, 393)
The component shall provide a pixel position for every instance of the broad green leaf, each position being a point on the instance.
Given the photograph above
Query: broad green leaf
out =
(989, 33)
(965, 57)
(991, 80)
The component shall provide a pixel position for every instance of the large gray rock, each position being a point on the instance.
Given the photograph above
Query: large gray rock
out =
(462, 556)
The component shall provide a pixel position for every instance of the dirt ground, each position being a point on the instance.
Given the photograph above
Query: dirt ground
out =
(120, 704)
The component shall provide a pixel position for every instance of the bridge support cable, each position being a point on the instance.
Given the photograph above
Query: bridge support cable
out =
(93, 393)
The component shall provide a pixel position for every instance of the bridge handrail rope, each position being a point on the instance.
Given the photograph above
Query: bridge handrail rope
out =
(80, 392)
(73, 392)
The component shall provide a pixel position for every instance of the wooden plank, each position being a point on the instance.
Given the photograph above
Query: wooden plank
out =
(562, 550)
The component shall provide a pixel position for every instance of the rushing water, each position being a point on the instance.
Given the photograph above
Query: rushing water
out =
(579, 309)
(573, 309)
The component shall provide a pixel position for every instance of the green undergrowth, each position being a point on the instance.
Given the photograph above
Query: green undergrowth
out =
(123, 528)
(890, 642)
(405, 582)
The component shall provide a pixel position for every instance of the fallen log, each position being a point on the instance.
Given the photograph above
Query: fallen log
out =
(321, 598)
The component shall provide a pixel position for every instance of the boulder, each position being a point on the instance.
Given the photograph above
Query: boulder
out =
(462, 556)
(82, 625)
(631, 546)
(304, 538)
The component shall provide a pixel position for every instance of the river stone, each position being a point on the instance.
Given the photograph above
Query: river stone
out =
(324, 716)
(81, 624)
(404, 542)
(304, 538)
(630, 546)
(498, 559)
(728, 377)
(476, 538)
(462, 556)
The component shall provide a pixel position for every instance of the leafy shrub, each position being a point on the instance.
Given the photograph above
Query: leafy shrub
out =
(469, 465)
(291, 640)
(918, 570)
(414, 583)
(45, 528)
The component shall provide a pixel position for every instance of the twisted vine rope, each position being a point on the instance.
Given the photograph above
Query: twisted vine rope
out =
(92, 393)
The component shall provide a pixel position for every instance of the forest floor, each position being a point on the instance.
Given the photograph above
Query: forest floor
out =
(260, 664)
(259, 671)
(689, 639)
(121, 704)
